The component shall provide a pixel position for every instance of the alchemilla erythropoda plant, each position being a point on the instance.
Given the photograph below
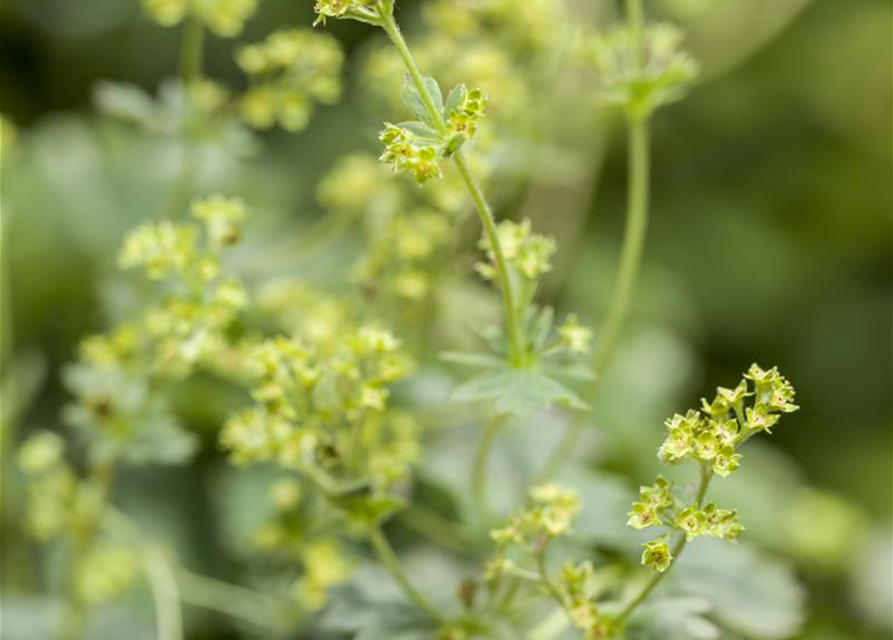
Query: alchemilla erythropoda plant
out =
(320, 384)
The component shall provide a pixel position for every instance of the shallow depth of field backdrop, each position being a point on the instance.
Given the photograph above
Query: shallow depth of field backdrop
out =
(769, 241)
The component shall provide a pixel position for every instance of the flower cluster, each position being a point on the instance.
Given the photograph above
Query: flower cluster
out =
(549, 516)
(60, 504)
(289, 71)
(711, 439)
(657, 506)
(362, 10)
(713, 435)
(358, 184)
(226, 18)
(518, 24)
(322, 409)
(641, 76)
(574, 336)
(527, 253)
(52, 488)
(574, 584)
(465, 109)
(315, 552)
(406, 150)
(403, 255)
(189, 325)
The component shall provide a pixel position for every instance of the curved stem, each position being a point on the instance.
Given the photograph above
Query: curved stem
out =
(165, 594)
(390, 561)
(677, 548)
(481, 456)
(232, 600)
(517, 349)
(633, 239)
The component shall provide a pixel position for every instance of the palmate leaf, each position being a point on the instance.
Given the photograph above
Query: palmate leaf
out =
(372, 607)
(518, 392)
(751, 593)
(673, 619)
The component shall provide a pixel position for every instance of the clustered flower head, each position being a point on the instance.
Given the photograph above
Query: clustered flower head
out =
(464, 110)
(517, 24)
(575, 586)
(188, 326)
(710, 438)
(407, 151)
(550, 515)
(574, 336)
(316, 552)
(52, 488)
(641, 79)
(362, 10)
(289, 71)
(226, 18)
(404, 254)
(61, 504)
(526, 252)
(713, 435)
(322, 409)
(417, 146)
(358, 184)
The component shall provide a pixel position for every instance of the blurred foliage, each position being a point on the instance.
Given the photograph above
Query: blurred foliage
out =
(770, 241)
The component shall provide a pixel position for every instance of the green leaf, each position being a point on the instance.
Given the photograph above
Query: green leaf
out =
(491, 334)
(572, 370)
(541, 326)
(434, 89)
(483, 360)
(518, 393)
(421, 131)
(365, 506)
(454, 98)
(372, 607)
(752, 594)
(413, 99)
(673, 619)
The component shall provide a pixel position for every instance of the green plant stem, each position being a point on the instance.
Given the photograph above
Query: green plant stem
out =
(633, 239)
(165, 595)
(481, 457)
(436, 528)
(389, 559)
(192, 50)
(546, 580)
(630, 259)
(676, 549)
(517, 349)
(232, 600)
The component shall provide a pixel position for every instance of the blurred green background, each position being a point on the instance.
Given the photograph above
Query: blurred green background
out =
(770, 239)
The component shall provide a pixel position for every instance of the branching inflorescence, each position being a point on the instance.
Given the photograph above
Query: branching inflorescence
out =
(320, 373)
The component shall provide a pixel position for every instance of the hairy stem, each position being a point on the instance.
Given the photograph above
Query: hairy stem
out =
(517, 349)
(389, 559)
(676, 549)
